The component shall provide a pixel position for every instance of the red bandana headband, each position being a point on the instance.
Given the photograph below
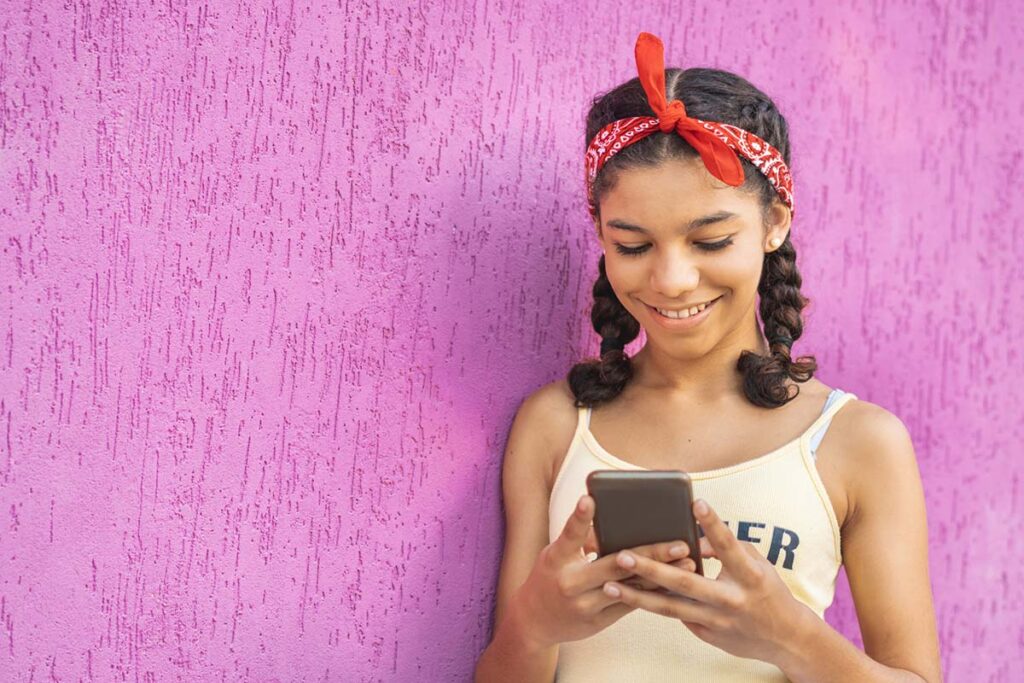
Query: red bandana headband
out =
(714, 141)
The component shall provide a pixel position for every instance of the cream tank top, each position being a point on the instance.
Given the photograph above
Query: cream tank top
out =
(776, 501)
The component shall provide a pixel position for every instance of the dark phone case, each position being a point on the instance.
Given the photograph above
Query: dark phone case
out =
(636, 508)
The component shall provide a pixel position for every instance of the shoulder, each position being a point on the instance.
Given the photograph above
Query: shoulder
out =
(878, 455)
(555, 395)
(878, 431)
(549, 416)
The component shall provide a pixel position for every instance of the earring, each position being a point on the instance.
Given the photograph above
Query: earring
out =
(775, 242)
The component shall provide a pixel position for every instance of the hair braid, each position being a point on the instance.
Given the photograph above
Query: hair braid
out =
(766, 378)
(598, 380)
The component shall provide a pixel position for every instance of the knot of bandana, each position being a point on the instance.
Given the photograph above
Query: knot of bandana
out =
(716, 143)
(671, 115)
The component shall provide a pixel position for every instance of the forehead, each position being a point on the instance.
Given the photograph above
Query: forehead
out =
(674, 191)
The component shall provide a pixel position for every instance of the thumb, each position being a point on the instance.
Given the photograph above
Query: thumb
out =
(574, 533)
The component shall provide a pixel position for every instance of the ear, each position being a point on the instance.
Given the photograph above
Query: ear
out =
(779, 220)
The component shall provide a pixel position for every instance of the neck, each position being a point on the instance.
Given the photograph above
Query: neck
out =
(704, 378)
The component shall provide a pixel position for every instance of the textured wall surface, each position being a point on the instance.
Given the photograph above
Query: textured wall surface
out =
(275, 276)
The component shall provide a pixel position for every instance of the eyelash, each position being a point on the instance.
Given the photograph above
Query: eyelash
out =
(704, 246)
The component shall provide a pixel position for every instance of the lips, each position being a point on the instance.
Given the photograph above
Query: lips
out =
(680, 324)
(686, 308)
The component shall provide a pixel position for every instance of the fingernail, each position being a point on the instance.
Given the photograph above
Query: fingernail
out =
(701, 507)
(678, 550)
(626, 560)
(612, 590)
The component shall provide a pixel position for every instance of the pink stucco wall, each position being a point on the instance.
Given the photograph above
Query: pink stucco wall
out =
(275, 276)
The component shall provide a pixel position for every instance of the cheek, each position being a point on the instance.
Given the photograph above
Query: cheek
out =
(623, 273)
(735, 269)
(738, 271)
(626, 278)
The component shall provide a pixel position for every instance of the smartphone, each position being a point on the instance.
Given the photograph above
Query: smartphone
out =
(634, 508)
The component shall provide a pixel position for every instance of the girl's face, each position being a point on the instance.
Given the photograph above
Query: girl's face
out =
(676, 237)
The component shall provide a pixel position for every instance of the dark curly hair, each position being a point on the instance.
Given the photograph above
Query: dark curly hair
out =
(714, 95)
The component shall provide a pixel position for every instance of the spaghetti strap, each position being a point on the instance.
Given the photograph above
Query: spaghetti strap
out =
(582, 418)
(819, 434)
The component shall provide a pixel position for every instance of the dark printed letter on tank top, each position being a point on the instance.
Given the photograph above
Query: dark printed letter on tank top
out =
(784, 541)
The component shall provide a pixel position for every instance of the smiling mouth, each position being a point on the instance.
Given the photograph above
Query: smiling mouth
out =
(683, 314)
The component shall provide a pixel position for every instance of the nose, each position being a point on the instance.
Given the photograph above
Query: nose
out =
(674, 274)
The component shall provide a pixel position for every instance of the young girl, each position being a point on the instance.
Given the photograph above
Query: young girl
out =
(792, 478)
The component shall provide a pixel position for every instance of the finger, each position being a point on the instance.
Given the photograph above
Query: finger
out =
(687, 565)
(706, 549)
(607, 569)
(574, 533)
(662, 552)
(726, 546)
(594, 574)
(666, 605)
(646, 584)
(687, 583)
(754, 553)
(595, 600)
(590, 544)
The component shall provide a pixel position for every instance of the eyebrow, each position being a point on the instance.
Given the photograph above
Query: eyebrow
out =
(692, 225)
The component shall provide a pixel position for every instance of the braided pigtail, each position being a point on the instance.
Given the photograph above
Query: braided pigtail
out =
(766, 378)
(598, 380)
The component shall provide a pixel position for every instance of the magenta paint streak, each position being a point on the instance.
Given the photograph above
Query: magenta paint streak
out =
(275, 277)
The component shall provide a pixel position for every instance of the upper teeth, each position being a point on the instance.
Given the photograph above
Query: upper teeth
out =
(685, 313)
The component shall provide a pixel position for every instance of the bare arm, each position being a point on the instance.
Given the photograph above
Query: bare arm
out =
(511, 656)
(885, 552)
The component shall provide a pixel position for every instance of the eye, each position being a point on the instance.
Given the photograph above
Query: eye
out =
(703, 246)
(631, 251)
(714, 246)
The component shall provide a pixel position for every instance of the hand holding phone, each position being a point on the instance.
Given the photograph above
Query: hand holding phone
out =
(563, 597)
